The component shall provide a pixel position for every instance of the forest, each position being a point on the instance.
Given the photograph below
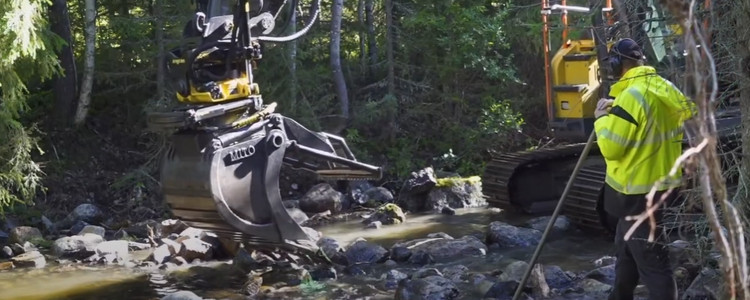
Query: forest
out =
(409, 84)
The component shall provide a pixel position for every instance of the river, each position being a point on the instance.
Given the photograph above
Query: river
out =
(217, 280)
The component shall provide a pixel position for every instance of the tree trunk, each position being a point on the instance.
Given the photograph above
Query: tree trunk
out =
(389, 46)
(160, 59)
(65, 86)
(370, 19)
(362, 35)
(293, 58)
(88, 69)
(338, 75)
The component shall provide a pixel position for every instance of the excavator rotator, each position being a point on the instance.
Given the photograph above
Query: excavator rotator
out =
(227, 148)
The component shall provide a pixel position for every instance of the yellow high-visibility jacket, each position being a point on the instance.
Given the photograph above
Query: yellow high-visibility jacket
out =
(641, 137)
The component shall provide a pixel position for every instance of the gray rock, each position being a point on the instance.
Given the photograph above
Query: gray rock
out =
(392, 278)
(462, 194)
(514, 271)
(605, 261)
(455, 273)
(503, 290)
(594, 287)
(426, 272)
(442, 249)
(375, 197)
(121, 234)
(182, 295)
(320, 198)
(86, 212)
(556, 277)
(192, 232)
(48, 225)
(561, 225)
(509, 236)
(442, 235)
(170, 226)
(111, 252)
(362, 252)
(332, 249)
(374, 225)
(387, 214)
(297, 215)
(400, 253)
(17, 249)
(144, 228)
(312, 233)
(28, 247)
(78, 226)
(22, 234)
(709, 284)
(413, 193)
(77, 246)
(32, 259)
(429, 288)
(162, 253)
(604, 274)
(193, 249)
(93, 229)
(6, 252)
(356, 190)
(448, 211)
(421, 258)
(390, 263)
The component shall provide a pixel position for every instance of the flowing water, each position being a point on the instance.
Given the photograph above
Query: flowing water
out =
(218, 280)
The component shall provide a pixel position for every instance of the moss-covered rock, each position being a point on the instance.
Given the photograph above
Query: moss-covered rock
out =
(456, 192)
(387, 214)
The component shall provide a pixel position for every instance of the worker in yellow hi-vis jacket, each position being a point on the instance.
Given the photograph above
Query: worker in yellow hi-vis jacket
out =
(639, 133)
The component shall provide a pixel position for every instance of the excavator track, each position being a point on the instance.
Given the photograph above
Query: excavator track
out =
(532, 182)
(583, 204)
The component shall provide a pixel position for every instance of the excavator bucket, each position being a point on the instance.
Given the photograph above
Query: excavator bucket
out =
(229, 184)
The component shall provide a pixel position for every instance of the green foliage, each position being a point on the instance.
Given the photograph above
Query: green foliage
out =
(27, 53)
(310, 286)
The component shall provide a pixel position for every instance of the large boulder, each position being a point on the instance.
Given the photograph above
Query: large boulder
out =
(456, 193)
(23, 234)
(86, 212)
(442, 249)
(509, 236)
(413, 193)
(376, 196)
(77, 246)
(432, 287)
(320, 198)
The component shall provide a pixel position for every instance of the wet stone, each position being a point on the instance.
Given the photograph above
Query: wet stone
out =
(32, 259)
(392, 278)
(455, 273)
(421, 258)
(556, 277)
(400, 254)
(17, 249)
(78, 226)
(182, 295)
(362, 252)
(604, 274)
(6, 252)
(77, 246)
(433, 287)
(375, 196)
(509, 236)
(98, 230)
(193, 248)
(374, 225)
(426, 272)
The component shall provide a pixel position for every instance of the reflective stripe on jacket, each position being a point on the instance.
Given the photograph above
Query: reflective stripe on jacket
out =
(641, 137)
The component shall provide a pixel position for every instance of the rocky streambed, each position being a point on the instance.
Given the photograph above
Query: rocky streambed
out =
(446, 244)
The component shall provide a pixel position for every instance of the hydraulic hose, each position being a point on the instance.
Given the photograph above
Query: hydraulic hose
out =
(557, 211)
(283, 39)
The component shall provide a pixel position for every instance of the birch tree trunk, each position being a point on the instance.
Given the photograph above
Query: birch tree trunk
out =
(338, 75)
(66, 85)
(88, 68)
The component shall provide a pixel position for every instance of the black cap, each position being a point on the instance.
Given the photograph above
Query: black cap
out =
(629, 49)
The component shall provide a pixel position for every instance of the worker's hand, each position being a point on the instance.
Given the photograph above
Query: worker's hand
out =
(602, 107)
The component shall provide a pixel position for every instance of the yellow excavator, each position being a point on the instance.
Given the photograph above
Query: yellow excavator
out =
(577, 76)
(226, 146)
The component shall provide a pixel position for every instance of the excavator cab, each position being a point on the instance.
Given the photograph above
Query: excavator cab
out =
(226, 146)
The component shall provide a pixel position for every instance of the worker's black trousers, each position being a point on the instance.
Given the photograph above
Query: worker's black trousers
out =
(637, 258)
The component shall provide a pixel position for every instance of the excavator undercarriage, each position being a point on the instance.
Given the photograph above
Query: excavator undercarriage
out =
(226, 146)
